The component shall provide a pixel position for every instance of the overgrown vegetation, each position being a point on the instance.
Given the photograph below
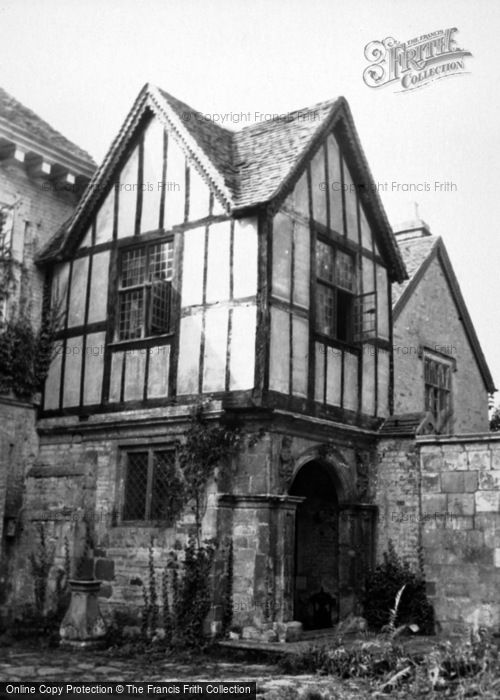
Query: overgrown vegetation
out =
(382, 586)
(185, 595)
(184, 586)
(227, 603)
(466, 669)
(43, 618)
(41, 564)
(495, 420)
(460, 670)
(204, 447)
(25, 355)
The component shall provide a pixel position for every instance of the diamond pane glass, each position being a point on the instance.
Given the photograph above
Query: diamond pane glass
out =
(165, 491)
(136, 481)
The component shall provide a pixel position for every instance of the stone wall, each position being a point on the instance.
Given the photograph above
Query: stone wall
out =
(40, 210)
(75, 486)
(397, 497)
(461, 479)
(18, 450)
(78, 478)
(72, 493)
(444, 493)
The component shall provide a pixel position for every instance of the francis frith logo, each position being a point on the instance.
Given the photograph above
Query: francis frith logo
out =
(416, 62)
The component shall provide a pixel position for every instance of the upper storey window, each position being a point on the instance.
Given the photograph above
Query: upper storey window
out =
(437, 378)
(335, 287)
(145, 290)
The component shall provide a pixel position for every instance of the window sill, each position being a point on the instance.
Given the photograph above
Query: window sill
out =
(334, 343)
(137, 342)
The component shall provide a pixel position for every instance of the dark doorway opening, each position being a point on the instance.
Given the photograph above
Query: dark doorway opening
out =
(316, 548)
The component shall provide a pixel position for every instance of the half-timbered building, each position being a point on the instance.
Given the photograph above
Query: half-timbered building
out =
(251, 270)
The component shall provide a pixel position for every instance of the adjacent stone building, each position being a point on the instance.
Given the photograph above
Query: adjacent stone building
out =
(439, 366)
(41, 177)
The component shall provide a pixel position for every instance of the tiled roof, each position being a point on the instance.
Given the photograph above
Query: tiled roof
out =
(265, 153)
(54, 245)
(414, 252)
(215, 141)
(17, 115)
(247, 168)
(255, 160)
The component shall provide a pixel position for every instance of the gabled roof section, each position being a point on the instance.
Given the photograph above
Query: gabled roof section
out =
(213, 141)
(265, 153)
(418, 254)
(251, 167)
(14, 116)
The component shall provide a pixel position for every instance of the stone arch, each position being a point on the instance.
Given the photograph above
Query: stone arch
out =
(339, 472)
(321, 489)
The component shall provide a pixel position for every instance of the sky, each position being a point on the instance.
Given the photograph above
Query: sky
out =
(80, 65)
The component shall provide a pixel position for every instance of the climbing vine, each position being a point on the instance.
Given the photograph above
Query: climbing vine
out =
(185, 586)
(184, 594)
(227, 602)
(40, 564)
(203, 448)
(25, 355)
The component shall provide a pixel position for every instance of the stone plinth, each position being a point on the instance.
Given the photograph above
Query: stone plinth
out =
(83, 626)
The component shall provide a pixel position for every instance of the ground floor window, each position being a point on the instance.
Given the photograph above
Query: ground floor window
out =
(152, 485)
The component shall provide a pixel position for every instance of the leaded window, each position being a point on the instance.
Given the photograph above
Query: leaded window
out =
(152, 486)
(437, 377)
(145, 290)
(335, 287)
(365, 317)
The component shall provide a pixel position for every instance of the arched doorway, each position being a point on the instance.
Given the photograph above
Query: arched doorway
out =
(316, 590)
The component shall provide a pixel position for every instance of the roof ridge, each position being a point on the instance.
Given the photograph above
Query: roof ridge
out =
(246, 168)
(190, 110)
(323, 104)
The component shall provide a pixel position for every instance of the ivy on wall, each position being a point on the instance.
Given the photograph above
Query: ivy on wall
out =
(203, 448)
(25, 355)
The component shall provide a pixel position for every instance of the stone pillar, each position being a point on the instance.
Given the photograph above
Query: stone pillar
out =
(356, 552)
(263, 532)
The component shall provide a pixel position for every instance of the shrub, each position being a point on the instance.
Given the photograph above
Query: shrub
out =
(382, 586)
